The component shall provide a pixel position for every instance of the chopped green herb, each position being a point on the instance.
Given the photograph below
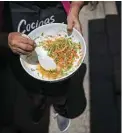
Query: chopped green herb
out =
(64, 51)
(69, 67)
(38, 74)
(32, 69)
(42, 33)
(65, 35)
(40, 44)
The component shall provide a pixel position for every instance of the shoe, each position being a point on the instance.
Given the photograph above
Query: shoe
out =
(62, 122)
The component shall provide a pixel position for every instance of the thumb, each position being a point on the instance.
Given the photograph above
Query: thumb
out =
(78, 27)
(70, 24)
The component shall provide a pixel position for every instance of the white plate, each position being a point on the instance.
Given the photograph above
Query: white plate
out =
(30, 63)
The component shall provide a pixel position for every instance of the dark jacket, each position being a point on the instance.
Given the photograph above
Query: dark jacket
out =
(1, 14)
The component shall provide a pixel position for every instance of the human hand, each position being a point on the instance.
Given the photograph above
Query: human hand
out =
(73, 22)
(19, 44)
(73, 16)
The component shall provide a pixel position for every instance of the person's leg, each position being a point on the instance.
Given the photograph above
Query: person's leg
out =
(29, 115)
(39, 104)
(8, 130)
(60, 105)
(18, 108)
(28, 101)
(60, 111)
(73, 103)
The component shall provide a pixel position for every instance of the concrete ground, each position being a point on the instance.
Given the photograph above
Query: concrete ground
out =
(82, 123)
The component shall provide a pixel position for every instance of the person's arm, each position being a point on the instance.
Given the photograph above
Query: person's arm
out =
(76, 7)
(13, 40)
(4, 40)
(16, 42)
(4, 48)
(73, 16)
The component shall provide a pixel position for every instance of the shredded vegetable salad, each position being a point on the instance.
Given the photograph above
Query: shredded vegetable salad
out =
(64, 52)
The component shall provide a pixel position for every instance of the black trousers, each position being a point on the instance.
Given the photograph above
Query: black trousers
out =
(19, 102)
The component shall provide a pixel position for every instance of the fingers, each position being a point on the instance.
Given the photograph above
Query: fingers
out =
(25, 47)
(78, 27)
(26, 40)
(20, 51)
(70, 25)
(73, 23)
(20, 44)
